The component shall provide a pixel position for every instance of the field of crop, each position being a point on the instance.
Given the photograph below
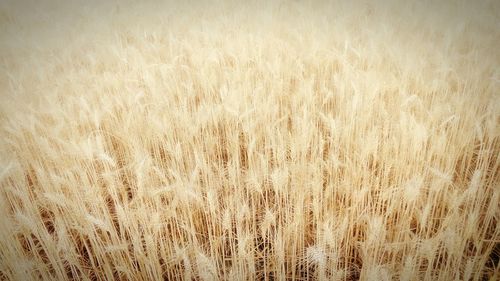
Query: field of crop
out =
(258, 140)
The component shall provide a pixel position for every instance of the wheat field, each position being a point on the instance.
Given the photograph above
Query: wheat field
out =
(260, 140)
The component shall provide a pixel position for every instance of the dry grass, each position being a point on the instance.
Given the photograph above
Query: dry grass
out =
(265, 141)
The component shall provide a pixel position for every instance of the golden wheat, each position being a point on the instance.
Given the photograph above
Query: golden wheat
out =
(250, 141)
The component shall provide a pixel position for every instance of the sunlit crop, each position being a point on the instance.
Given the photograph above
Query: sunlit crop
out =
(266, 140)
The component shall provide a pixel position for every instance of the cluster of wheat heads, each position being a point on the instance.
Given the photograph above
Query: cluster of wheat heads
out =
(258, 141)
